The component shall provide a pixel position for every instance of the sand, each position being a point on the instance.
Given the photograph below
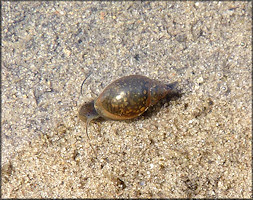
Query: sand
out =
(195, 146)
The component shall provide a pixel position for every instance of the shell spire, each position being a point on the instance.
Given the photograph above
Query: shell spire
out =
(158, 91)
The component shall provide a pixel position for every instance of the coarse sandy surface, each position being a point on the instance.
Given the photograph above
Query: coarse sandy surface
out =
(198, 145)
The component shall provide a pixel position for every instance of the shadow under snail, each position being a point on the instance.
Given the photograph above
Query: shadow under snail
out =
(125, 98)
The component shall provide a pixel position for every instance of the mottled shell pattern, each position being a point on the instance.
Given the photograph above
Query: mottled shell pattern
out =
(129, 97)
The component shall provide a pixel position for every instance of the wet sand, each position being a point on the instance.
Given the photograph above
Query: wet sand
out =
(195, 146)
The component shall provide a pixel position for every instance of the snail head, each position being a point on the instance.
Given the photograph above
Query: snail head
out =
(87, 113)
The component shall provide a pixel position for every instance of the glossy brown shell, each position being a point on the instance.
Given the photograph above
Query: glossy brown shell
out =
(129, 97)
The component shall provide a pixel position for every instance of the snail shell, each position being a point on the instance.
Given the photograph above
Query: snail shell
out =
(125, 98)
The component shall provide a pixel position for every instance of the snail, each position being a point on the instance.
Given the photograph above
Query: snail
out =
(125, 98)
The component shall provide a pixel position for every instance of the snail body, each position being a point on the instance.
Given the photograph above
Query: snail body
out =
(125, 98)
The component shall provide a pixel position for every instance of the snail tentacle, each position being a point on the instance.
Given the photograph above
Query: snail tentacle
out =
(87, 125)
